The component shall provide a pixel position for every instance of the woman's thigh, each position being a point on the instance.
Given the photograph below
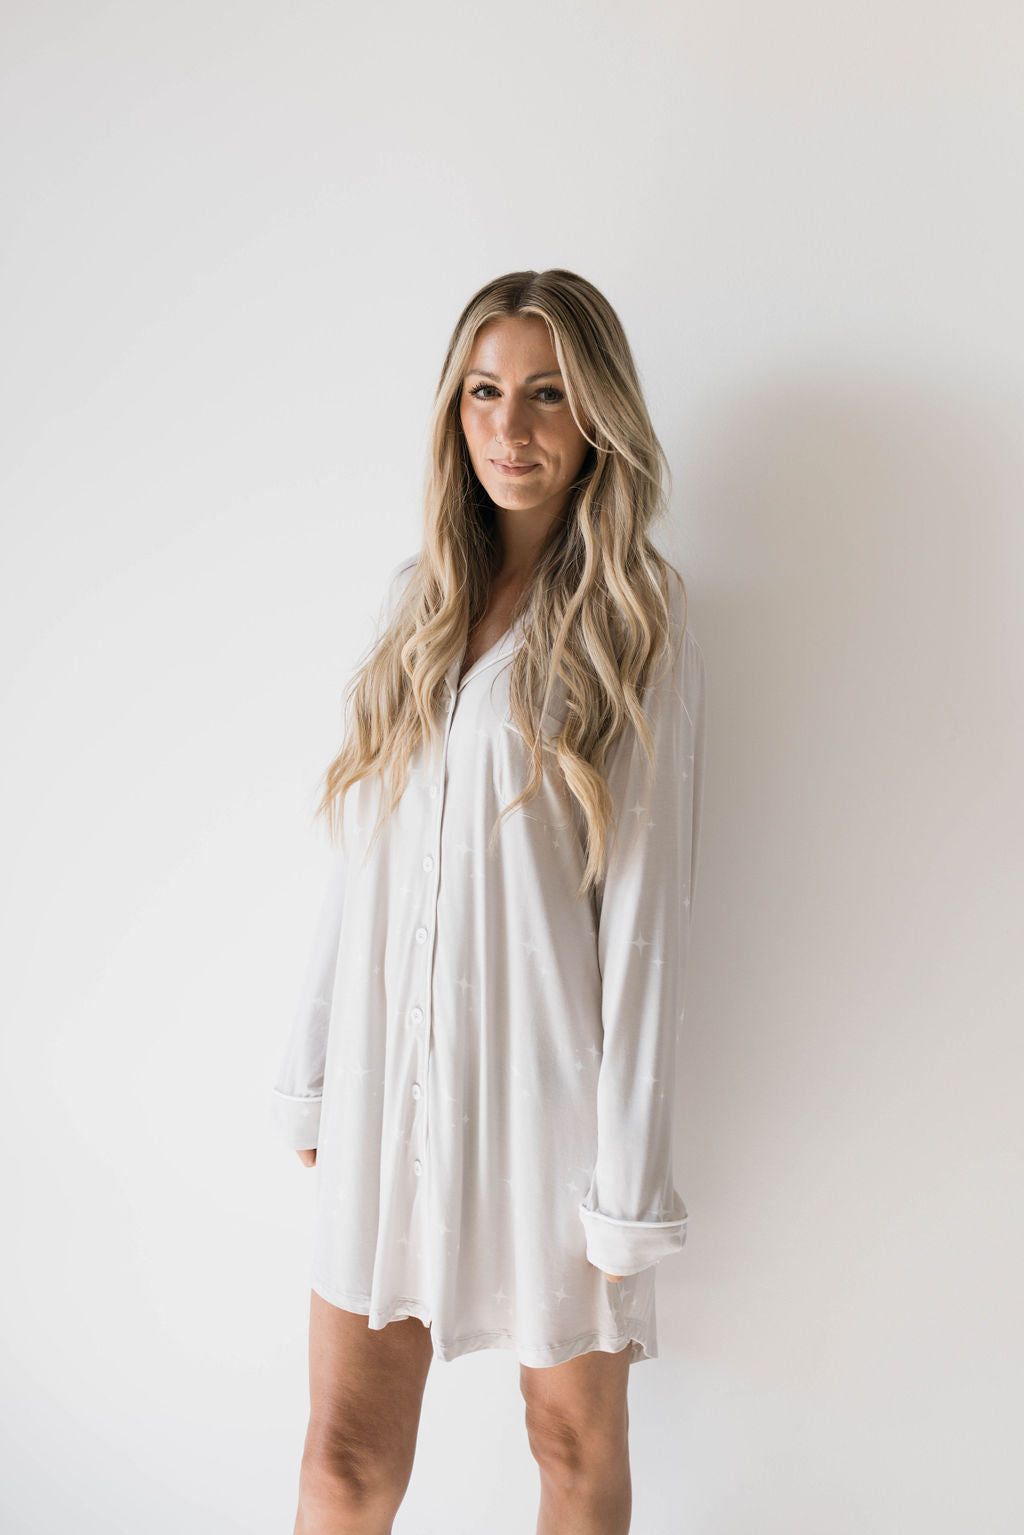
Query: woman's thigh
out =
(365, 1392)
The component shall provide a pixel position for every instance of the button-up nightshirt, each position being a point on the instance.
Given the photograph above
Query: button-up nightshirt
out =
(485, 1064)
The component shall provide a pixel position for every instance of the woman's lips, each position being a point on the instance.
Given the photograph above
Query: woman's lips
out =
(512, 469)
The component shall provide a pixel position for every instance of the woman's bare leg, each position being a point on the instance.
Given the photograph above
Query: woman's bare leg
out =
(577, 1422)
(365, 1393)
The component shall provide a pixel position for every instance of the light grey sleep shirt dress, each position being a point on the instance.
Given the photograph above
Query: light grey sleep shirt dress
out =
(485, 1064)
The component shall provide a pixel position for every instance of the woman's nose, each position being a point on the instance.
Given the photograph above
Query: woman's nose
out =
(510, 426)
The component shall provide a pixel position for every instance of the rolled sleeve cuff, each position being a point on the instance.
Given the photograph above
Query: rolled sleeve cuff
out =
(296, 1121)
(626, 1247)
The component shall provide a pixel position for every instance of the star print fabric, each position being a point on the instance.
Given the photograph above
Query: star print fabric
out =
(485, 1064)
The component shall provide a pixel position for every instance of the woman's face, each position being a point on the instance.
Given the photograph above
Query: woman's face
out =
(513, 407)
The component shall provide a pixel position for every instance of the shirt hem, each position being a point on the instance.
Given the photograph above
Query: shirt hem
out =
(447, 1349)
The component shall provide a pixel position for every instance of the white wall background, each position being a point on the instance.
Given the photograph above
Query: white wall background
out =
(236, 237)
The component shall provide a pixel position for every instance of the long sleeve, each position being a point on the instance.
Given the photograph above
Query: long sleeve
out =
(632, 1214)
(298, 1087)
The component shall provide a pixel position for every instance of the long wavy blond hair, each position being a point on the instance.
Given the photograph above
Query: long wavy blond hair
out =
(597, 610)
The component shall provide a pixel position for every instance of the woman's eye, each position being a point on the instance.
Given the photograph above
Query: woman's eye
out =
(548, 389)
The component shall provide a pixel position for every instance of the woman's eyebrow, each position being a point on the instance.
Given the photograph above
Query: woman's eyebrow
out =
(551, 373)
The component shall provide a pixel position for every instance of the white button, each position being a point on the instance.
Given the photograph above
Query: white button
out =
(432, 791)
(421, 934)
(416, 1089)
(417, 1169)
(417, 1015)
(428, 862)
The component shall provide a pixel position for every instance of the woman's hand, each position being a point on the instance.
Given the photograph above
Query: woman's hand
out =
(615, 1278)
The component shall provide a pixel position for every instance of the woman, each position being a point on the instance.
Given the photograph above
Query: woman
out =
(482, 1062)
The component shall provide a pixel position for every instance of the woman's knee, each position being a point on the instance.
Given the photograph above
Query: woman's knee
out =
(575, 1447)
(577, 1414)
(345, 1472)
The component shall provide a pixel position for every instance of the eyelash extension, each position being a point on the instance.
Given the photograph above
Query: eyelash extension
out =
(544, 388)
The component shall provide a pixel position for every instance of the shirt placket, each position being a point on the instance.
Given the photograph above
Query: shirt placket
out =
(421, 1014)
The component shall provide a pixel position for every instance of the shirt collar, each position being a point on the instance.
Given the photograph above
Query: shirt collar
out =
(499, 651)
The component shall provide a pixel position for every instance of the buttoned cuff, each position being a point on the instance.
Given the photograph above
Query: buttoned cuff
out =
(296, 1121)
(626, 1247)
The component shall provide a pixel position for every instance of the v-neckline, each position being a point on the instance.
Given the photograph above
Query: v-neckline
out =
(459, 680)
(504, 644)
